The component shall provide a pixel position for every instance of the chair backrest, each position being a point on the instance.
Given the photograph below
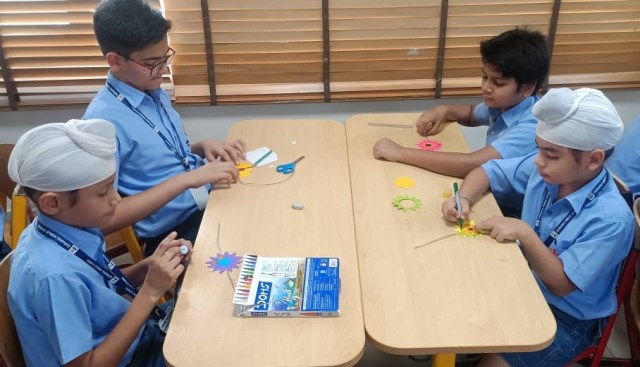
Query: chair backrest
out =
(10, 349)
(19, 215)
(124, 240)
(6, 185)
(624, 189)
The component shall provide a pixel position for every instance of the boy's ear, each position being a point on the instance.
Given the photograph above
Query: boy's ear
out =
(114, 60)
(49, 203)
(595, 159)
(527, 89)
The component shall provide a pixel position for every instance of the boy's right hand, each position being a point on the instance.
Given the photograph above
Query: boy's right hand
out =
(450, 211)
(430, 121)
(214, 172)
(165, 265)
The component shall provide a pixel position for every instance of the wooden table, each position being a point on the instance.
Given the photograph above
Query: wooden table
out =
(260, 219)
(458, 295)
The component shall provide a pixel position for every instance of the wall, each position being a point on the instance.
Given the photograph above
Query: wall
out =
(213, 122)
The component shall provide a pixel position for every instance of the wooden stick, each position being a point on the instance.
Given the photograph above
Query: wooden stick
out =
(381, 124)
(436, 240)
(220, 249)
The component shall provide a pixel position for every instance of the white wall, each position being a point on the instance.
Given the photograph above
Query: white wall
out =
(214, 122)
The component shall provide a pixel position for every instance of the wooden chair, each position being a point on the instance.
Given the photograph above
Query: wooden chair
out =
(593, 356)
(10, 349)
(118, 243)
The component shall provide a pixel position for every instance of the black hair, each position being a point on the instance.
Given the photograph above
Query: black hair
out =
(518, 53)
(577, 154)
(34, 194)
(126, 26)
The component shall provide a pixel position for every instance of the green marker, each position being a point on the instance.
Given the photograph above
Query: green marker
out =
(459, 207)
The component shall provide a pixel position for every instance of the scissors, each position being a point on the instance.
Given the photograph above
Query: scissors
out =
(288, 167)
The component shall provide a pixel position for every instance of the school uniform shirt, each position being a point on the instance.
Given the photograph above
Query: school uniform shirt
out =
(511, 133)
(144, 160)
(625, 161)
(593, 244)
(61, 306)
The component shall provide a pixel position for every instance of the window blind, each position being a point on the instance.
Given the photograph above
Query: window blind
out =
(51, 55)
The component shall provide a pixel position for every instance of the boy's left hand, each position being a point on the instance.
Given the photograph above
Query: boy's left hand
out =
(504, 229)
(234, 151)
(387, 149)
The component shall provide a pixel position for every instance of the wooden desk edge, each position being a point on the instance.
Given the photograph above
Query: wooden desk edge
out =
(459, 350)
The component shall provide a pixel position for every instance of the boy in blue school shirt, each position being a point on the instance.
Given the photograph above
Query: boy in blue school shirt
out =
(576, 229)
(515, 65)
(625, 161)
(63, 290)
(163, 179)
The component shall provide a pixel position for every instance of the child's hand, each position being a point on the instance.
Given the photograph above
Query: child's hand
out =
(234, 151)
(165, 265)
(214, 172)
(450, 211)
(430, 121)
(504, 229)
(387, 149)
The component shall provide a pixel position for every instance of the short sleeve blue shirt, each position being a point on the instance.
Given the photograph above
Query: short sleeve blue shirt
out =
(591, 247)
(625, 161)
(61, 306)
(511, 133)
(144, 159)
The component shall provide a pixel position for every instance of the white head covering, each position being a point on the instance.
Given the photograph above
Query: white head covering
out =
(582, 119)
(64, 156)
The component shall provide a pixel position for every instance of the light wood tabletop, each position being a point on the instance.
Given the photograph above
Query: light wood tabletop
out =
(257, 217)
(456, 295)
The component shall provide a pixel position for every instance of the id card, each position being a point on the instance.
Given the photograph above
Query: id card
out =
(200, 196)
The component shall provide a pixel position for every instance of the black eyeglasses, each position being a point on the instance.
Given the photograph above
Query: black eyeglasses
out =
(156, 68)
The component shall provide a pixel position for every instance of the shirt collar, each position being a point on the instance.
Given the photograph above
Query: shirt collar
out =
(133, 95)
(89, 240)
(515, 113)
(578, 199)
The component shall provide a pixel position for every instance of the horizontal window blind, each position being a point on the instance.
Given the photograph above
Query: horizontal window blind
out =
(597, 44)
(50, 53)
(253, 51)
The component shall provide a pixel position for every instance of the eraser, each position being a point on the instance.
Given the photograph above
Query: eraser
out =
(184, 249)
(297, 206)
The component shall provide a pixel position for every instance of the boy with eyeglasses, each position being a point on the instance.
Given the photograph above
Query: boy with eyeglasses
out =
(161, 176)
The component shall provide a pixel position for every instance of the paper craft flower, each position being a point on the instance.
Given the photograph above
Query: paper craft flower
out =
(467, 229)
(224, 262)
(399, 202)
(426, 144)
(244, 169)
(404, 182)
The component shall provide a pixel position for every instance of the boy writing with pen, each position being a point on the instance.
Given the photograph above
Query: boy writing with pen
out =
(64, 292)
(576, 229)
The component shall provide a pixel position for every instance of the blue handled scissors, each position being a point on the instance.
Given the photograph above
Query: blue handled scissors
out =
(288, 167)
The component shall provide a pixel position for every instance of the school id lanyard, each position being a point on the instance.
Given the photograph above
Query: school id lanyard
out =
(556, 232)
(181, 154)
(112, 274)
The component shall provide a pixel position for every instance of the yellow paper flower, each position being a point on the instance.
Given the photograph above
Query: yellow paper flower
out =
(467, 229)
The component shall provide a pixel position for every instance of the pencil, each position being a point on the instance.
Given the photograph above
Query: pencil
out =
(457, 195)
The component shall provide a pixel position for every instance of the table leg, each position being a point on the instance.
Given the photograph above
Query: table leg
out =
(444, 360)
